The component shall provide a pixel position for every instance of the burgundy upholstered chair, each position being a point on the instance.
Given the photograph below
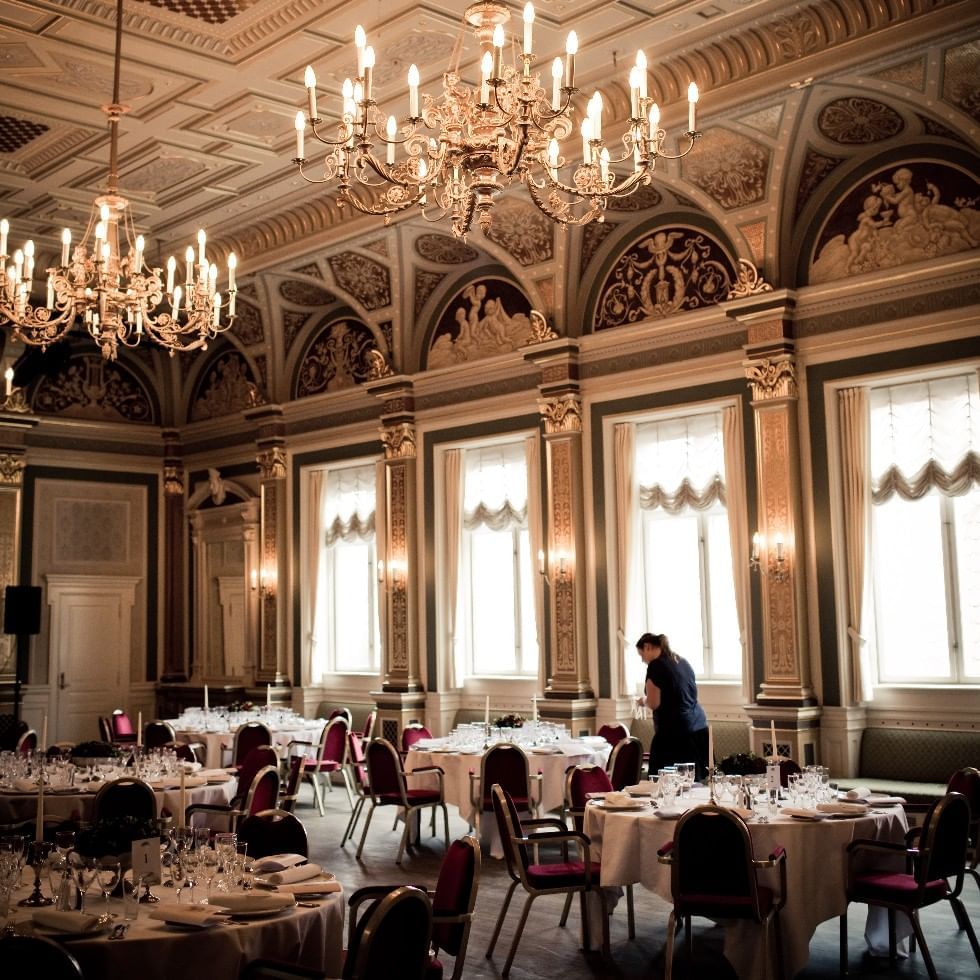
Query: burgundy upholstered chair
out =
(614, 733)
(262, 795)
(967, 782)
(247, 737)
(258, 758)
(122, 727)
(388, 786)
(368, 732)
(625, 763)
(713, 873)
(330, 757)
(27, 742)
(565, 877)
(124, 798)
(273, 832)
(412, 734)
(290, 789)
(158, 733)
(357, 766)
(939, 858)
(506, 764)
(787, 767)
(391, 939)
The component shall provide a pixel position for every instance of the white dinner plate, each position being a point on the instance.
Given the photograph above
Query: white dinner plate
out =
(260, 913)
(621, 807)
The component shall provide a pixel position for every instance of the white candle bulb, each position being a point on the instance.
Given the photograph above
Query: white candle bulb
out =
(498, 50)
(780, 548)
(556, 72)
(310, 81)
(641, 64)
(423, 173)
(756, 545)
(300, 124)
(140, 245)
(212, 279)
(413, 91)
(358, 94)
(201, 239)
(553, 165)
(106, 251)
(360, 42)
(654, 121)
(571, 48)
(692, 101)
(8, 376)
(189, 262)
(29, 259)
(368, 72)
(634, 92)
(217, 309)
(18, 263)
(99, 235)
(604, 165)
(104, 212)
(596, 113)
(175, 309)
(65, 246)
(232, 266)
(528, 27)
(391, 131)
(4, 231)
(586, 137)
(486, 69)
(50, 299)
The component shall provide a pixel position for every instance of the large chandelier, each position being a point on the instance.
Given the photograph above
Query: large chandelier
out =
(112, 292)
(452, 158)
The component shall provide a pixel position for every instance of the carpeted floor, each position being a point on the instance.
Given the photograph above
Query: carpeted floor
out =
(548, 952)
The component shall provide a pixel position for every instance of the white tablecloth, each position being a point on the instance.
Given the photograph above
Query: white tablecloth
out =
(215, 743)
(457, 768)
(816, 871)
(153, 950)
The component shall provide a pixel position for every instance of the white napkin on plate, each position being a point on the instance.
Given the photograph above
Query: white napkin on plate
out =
(801, 814)
(244, 902)
(316, 887)
(278, 862)
(25, 785)
(201, 916)
(858, 793)
(289, 876)
(874, 800)
(843, 809)
(619, 799)
(640, 789)
(69, 923)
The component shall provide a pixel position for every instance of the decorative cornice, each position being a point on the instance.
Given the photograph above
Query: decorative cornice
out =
(399, 441)
(561, 414)
(748, 282)
(272, 463)
(377, 365)
(771, 379)
(541, 333)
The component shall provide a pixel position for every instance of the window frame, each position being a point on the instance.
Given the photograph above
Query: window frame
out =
(328, 553)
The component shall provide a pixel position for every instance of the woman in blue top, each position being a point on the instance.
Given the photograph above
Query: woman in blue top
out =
(679, 722)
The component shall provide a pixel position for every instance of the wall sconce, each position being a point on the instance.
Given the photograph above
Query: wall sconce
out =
(13, 397)
(266, 580)
(560, 560)
(774, 563)
(398, 567)
(543, 566)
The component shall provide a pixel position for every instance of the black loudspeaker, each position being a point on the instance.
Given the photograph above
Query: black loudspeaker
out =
(22, 610)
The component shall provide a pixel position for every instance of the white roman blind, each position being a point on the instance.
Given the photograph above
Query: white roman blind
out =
(495, 487)
(349, 501)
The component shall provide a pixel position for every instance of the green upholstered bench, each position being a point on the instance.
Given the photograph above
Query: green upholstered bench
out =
(730, 737)
(913, 762)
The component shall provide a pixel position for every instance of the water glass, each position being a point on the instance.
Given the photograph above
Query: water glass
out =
(131, 900)
(109, 872)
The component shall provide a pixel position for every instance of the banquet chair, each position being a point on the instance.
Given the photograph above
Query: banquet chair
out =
(625, 763)
(580, 781)
(188, 751)
(34, 956)
(273, 832)
(357, 766)
(506, 764)
(342, 713)
(967, 782)
(787, 768)
(157, 734)
(330, 757)
(289, 792)
(247, 737)
(391, 939)
(614, 733)
(123, 732)
(257, 759)
(412, 734)
(105, 730)
(27, 742)
(262, 795)
(11, 730)
(939, 857)
(124, 798)
(713, 873)
(388, 786)
(368, 732)
(566, 877)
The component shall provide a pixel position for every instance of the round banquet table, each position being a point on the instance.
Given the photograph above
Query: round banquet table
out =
(154, 950)
(216, 743)
(816, 871)
(457, 767)
(65, 804)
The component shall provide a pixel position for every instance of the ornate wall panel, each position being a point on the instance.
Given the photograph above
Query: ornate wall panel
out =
(593, 235)
(305, 293)
(667, 271)
(444, 249)
(88, 387)
(523, 231)
(248, 325)
(366, 280)
(961, 78)
(336, 358)
(816, 167)
(292, 324)
(426, 283)
(226, 386)
(854, 121)
(900, 214)
(730, 168)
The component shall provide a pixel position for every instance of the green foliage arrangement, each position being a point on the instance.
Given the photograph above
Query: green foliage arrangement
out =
(113, 835)
(509, 721)
(742, 764)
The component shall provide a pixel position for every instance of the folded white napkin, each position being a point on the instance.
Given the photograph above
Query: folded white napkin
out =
(244, 902)
(302, 872)
(640, 789)
(858, 793)
(66, 922)
(316, 887)
(801, 814)
(191, 766)
(619, 799)
(189, 915)
(278, 862)
(192, 782)
(846, 809)
(24, 785)
(546, 750)
(874, 800)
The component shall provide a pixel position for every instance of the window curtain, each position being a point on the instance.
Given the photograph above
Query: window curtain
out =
(738, 531)
(495, 487)
(855, 453)
(624, 453)
(314, 556)
(349, 507)
(535, 528)
(452, 489)
(925, 436)
(381, 553)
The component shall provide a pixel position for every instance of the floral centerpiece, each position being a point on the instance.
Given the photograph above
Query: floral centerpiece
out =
(114, 836)
(241, 706)
(95, 750)
(509, 721)
(742, 764)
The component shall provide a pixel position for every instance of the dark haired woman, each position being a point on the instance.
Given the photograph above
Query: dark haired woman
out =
(679, 723)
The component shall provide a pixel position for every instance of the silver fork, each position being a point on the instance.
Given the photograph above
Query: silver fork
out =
(119, 931)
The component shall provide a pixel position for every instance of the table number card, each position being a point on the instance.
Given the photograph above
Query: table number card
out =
(146, 860)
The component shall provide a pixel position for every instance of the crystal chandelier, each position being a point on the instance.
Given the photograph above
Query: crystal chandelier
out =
(115, 295)
(452, 157)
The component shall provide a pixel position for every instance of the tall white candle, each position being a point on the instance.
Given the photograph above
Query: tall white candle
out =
(139, 729)
(206, 705)
(39, 824)
(772, 737)
(44, 734)
(486, 711)
(268, 695)
(534, 707)
(711, 749)
(183, 797)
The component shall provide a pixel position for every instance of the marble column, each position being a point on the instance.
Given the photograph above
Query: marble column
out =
(175, 660)
(568, 695)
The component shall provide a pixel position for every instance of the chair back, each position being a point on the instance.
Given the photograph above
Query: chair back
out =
(125, 798)
(385, 776)
(787, 768)
(27, 742)
(626, 763)
(158, 733)
(185, 751)
(34, 956)
(712, 863)
(943, 841)
(579, 782)
(290, 792)
(506, 764)
(355, 756)
(369, 726)
(247, 737)
(392, 937)
(273, 832)
(341, 713)
(105, 729)
(255, 760)
(122, 726)
(509, 827)
(967, 782)
(412, 733)
(455, 896)
(333, 741)
(614, 733)
(264, 791)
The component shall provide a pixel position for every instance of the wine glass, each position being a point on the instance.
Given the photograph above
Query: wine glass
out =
(9, 876)
(177, 871)
(109, 871)
(64, 840)
(84, 869)
(208, 864)
(191, 862)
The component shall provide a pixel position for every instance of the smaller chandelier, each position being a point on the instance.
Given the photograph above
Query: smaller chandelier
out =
(453, 157)
(105, 283)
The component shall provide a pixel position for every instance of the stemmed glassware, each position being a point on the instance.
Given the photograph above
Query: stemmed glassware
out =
(85, 870)
(10, 868)
(191, 860)
(208, 863)
(109, 870)
(177, 872)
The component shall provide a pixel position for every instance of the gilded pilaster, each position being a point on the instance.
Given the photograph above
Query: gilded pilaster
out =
(175, 662)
